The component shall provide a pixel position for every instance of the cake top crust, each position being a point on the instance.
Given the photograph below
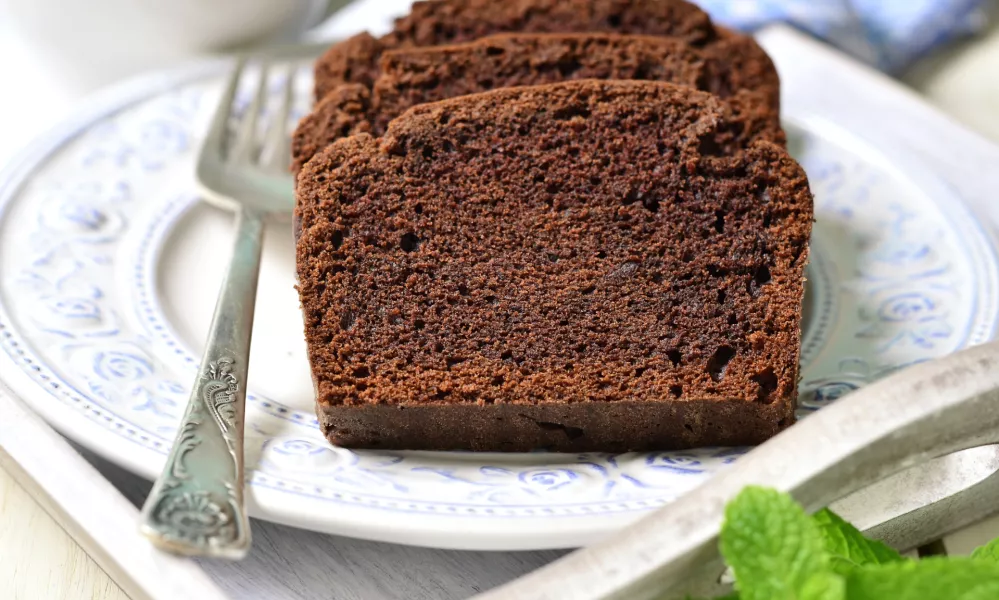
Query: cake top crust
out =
(446, 21)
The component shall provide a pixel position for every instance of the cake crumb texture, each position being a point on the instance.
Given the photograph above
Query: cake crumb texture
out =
(587, 265)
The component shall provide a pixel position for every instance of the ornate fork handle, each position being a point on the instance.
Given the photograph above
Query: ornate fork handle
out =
(196, 506)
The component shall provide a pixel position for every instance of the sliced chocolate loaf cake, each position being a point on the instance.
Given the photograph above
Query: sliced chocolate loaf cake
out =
(413, 76)
(573, 266)
(448, 21)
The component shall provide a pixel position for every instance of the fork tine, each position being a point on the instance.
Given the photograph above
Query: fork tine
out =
(245, 134)
(277, 154)
(215, 139)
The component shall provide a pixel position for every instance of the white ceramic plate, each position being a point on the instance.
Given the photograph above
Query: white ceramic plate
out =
(110, 265)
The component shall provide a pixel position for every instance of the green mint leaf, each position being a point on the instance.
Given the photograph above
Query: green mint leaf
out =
(988, 552)
(824, 586)
(771, 544)
(848, 547)
(988, 591)
(935, 577)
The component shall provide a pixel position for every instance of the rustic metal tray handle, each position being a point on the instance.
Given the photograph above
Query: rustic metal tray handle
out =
(925, 411)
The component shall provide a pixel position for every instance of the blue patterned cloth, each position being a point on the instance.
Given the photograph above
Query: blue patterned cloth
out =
(888, 34)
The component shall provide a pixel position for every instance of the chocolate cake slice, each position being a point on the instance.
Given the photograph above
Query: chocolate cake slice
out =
(413, 76)
(573, 266)
(355, 60)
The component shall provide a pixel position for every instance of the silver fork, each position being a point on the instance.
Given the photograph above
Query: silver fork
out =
(197, 506)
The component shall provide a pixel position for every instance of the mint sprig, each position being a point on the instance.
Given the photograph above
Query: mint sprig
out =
(989, 552)
(825, 585)
(935, 577)
(778, 552)
(848, 547)
(771, 544)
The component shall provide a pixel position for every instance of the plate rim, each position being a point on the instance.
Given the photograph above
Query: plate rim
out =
(438, 531)
(428, 530)
(13, 176)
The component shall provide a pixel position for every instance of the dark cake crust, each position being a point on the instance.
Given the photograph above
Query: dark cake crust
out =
(621, 426)
(426, 74)
(355, 60)
(576, 266)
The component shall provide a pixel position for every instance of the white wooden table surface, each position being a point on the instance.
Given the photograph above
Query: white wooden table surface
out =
(39, 561)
